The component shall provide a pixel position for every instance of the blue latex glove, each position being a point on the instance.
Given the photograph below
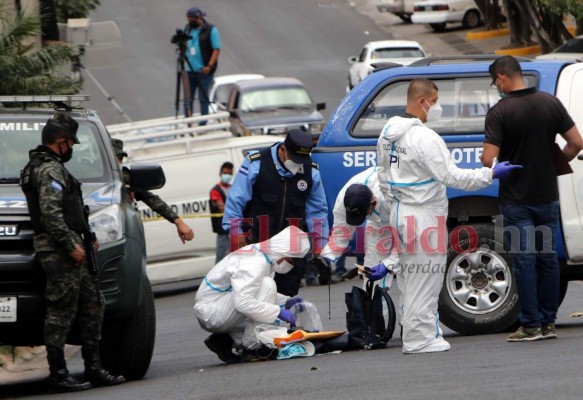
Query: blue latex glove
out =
(377, 272)
(503, 169)
(293, 301)
(287, 316)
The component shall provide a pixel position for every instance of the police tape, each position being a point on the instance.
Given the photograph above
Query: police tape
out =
(145, 219)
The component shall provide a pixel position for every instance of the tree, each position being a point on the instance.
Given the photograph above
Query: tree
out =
(492, 16)
(74, 8)
(26, 70)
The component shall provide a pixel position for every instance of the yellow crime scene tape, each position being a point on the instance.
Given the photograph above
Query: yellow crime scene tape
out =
(184, 216)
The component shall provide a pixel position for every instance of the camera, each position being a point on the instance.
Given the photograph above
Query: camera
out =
(180, 37)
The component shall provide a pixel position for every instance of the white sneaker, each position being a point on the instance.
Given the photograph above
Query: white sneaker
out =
(433, 347)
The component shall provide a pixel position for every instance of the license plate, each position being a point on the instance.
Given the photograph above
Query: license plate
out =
(7, 309)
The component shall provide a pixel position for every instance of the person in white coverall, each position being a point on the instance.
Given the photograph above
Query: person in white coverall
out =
(240, 289)
(360, 201)
(415, 168)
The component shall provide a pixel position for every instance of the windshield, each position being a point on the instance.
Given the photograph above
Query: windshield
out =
(574, 45)
(18, 137)
(274, 98)
(397, 53)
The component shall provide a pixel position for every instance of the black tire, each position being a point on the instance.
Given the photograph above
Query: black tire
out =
(406, 18)
(127, 346)
(471, 19)
(563, 289)
(438, 27)
(479, 292)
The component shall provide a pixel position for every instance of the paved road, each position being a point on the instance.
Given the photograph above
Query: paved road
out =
(478, 367)
(308, 39)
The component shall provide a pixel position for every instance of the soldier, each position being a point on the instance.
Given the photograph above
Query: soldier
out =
(71, 293)
(151, 200)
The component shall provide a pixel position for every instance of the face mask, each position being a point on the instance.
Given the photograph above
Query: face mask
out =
(193, 24)
(291, 166)
(226, 178)
(434, 112)
(283, 268)
(502, 94)
(67, 155)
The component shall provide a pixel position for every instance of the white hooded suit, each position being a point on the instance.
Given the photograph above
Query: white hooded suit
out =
(415, 167)
(240, 288)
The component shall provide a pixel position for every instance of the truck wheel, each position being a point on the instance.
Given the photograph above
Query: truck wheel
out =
(438, 27)
(479, 292)
(471, 19)
(127, 346)
(406, 18)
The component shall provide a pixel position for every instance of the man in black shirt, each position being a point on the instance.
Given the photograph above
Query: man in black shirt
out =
(521, 128)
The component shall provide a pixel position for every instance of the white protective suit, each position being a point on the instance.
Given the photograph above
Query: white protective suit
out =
(415, 168)
(377, 239)
(240, 288)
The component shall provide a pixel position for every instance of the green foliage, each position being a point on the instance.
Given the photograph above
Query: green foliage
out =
(26, 70)
(562, 7)
(74, 8)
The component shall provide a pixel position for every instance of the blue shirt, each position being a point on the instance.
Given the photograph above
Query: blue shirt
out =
(242, 190)
(193, 48)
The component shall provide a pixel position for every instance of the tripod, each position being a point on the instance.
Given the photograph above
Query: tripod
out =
(182, 77)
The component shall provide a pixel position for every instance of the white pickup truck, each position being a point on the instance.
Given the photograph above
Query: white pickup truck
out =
(191, 163)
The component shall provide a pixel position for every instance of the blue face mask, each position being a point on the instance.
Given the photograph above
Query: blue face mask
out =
(226, 178)
(502, 94)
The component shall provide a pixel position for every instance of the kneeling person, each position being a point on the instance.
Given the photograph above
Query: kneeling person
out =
(240, 289)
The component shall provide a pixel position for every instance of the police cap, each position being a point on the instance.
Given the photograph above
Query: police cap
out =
(357, 200)
(118, 147)
(65, 123)
(299, 145)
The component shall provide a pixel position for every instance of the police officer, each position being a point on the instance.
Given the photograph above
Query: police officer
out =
(154, 202)
(60, 226)
(274, 188)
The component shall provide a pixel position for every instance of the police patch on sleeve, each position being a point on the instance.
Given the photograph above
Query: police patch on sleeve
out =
(302, 185)
(243, 170)
(56, 185)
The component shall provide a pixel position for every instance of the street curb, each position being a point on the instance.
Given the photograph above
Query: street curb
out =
(519, 51)
(487, 34)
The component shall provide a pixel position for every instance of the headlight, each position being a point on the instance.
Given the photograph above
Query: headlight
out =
(316, 128)
(107, 224)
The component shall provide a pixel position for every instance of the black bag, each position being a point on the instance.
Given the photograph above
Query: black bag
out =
(367, 328)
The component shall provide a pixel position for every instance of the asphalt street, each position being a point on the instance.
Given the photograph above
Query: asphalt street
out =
(477, 367)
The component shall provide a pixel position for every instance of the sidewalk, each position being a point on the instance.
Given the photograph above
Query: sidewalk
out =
(453, 41)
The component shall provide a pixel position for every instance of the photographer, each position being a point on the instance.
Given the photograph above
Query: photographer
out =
(202, 53)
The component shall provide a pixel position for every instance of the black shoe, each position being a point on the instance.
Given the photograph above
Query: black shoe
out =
(100, 377)
(62, 382)
(263, 353)
(222, 345)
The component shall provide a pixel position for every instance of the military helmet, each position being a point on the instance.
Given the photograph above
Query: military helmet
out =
(118, 147)
(65, 123)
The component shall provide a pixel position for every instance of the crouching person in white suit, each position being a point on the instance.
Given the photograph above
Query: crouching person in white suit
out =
(240, 289)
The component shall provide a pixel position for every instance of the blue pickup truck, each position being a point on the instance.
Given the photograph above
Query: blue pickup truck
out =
(479, 293)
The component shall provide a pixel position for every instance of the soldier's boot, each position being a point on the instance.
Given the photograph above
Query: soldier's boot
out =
(60, 381)
(94, 372)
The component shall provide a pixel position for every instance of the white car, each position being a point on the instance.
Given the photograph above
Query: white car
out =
(438, 13)
(221, 88)
(401, 8)
(402, 52)
(570, 51)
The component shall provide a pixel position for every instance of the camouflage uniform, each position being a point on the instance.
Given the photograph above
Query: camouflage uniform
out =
(70, 291)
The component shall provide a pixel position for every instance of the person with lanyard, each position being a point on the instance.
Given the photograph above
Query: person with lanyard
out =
(202, 53)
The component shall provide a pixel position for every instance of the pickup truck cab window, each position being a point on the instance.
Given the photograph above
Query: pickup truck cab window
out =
(465, 101)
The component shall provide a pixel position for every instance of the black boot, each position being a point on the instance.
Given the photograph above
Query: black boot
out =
(94, 372)
(60, 381)
(222, 345)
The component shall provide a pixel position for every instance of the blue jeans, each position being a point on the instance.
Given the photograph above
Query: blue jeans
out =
(223, 246)
(530, 233)
(204, 81)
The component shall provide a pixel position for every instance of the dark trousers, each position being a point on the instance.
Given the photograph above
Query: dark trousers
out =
(530, 233)
(194, 80)
(71, 295)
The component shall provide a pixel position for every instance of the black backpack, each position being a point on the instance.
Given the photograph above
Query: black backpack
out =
(367, 328)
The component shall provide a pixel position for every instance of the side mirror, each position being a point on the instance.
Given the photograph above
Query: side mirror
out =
(352, 59)
(147, 176)
(320, 106)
